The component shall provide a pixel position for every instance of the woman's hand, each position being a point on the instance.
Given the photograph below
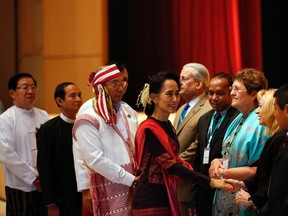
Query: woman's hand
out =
(237, 185)
(220, 184)
(215, 166)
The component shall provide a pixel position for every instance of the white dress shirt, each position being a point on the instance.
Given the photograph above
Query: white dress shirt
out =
(18, 152)
(102, 147)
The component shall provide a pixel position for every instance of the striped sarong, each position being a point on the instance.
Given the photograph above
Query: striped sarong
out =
(23, 203)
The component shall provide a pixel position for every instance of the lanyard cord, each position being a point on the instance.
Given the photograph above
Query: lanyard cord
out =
(232, 140)
(211, 131)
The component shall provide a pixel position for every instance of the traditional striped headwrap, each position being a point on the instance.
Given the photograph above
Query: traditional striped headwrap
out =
(103, 102)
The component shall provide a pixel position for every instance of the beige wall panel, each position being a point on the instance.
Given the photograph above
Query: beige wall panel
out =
(24, 27)
(8, 48)
(33, 65)
(74, 44)
(2, 185)
(29, 27)
(62, 70)
(74, 27)
(60, 40)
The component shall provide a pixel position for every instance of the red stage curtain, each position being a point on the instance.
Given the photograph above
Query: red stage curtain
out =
(224, 35)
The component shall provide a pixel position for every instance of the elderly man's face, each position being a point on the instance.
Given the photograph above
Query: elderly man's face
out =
(117, 87)
(25, 95)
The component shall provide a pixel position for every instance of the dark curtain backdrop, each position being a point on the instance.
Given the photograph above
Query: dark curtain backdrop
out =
(160, 35)
(275, 41)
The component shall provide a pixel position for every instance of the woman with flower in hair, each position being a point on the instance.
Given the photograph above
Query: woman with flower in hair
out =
(156, 147)
(104, 144)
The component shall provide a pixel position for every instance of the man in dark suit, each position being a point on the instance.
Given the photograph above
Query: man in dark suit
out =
(278, 188)
(55, 157)
(194, 80)
(210, 132)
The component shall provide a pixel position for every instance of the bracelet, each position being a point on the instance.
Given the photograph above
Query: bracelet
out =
(222, 173)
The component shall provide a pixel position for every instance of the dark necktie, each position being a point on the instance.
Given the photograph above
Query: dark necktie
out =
(217, 117)
(183, 113)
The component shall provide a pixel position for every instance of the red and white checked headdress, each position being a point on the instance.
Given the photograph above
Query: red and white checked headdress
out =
(103, 102)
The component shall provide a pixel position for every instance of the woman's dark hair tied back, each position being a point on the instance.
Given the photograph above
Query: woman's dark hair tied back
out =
(154, 86)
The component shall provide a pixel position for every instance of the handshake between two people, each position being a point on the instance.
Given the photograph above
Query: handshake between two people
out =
(221, 184)
(229, 185)
(232, 185)
(220, 179)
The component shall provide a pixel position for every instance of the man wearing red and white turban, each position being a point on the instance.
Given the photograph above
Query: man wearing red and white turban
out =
(104, 143)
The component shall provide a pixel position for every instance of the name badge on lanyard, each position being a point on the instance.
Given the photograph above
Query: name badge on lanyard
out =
(206, 155)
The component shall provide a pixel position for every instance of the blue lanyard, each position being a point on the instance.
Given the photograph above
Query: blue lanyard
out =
(234, 135)
(236, 132)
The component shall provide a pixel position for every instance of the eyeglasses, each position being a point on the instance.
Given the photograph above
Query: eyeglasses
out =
(235, 89)
(117, 84)
(27, 87)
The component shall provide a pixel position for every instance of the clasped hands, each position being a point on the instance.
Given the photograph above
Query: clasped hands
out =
(216, 171)
(229, 185)
(221, 184)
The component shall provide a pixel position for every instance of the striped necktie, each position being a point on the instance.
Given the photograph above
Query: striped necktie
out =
(183, 114)
(216, 120)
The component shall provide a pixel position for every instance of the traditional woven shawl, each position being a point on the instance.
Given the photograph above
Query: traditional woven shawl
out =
(170, 181)
(108, 198)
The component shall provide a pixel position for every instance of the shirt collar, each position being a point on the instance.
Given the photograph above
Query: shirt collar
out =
(66, 119)
(195, 100)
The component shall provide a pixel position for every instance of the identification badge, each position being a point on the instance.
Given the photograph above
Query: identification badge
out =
(225, 162)
(206, 155)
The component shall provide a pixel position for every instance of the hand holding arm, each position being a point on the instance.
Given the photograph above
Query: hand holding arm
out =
(215, 165)
(240, 173)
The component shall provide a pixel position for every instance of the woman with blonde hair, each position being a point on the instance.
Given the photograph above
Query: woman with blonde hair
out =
(265, 111)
